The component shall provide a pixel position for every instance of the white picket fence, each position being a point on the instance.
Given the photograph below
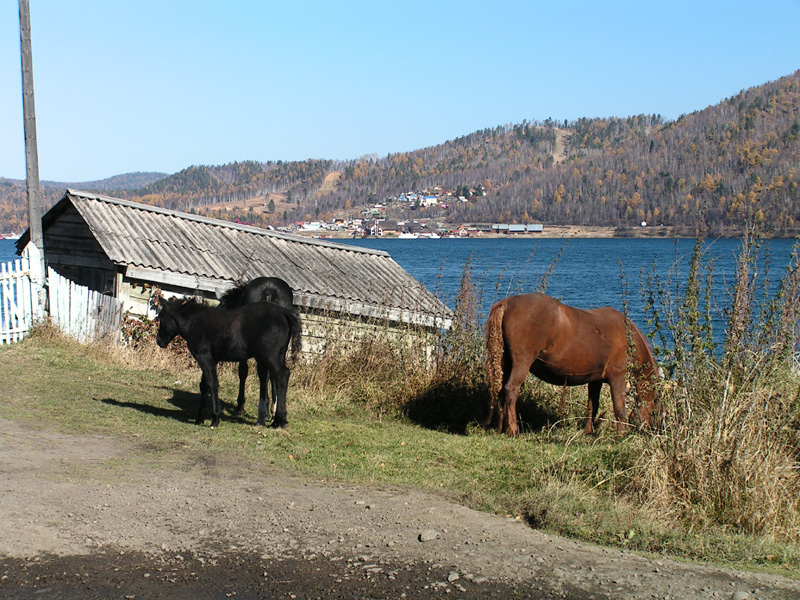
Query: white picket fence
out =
(81, 313)
(77, 311)
(19, 307)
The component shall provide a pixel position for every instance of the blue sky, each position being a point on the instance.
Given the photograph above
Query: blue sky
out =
(161, 85)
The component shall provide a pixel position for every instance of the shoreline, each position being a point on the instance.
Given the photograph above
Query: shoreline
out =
(549, 232)
(553, 231)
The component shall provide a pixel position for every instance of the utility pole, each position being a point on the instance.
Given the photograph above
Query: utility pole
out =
(36, 244)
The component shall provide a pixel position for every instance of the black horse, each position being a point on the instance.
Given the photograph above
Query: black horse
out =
(262, 331)
(260, 289)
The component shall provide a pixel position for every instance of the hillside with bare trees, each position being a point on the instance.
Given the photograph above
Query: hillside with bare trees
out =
(723, 167)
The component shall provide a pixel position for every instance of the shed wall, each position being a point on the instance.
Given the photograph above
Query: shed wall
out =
(324, 330)
(321, 329)
(73, 252)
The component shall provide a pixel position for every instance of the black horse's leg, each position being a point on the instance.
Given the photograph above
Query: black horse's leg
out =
(203, 395)
(273, 399)
(242, 378)
(216, 408)
(263, 399)
(593, 405)
(280, 380)
(211, 385)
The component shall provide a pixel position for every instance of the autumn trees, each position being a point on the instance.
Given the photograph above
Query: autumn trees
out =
(726, 166)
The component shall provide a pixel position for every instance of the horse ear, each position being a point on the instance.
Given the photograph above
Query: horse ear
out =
(156, 299)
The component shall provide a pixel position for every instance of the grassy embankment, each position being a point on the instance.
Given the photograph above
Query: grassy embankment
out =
(717, 481)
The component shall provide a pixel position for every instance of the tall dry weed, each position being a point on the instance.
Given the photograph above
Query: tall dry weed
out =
(138, 347)
(453, 393)
(378, 371)
(727, 455)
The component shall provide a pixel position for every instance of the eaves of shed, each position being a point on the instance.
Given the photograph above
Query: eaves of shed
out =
(192, 252)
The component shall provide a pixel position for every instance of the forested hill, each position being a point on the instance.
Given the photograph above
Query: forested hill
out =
(13, 199)
(726, 165)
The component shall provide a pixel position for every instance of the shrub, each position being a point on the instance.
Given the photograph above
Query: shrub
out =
(726, 455)
(454, 392)
(139, 345)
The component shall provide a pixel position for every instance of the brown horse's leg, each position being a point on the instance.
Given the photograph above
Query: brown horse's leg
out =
(512, 426)
(618, 400)
(491, 413)
(508, 402)
(593, 405)
(500, 411)
(497, 412)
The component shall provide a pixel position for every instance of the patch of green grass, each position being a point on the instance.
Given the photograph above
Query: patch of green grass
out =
(555, 478)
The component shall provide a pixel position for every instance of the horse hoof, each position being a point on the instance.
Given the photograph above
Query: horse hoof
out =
(279, 425)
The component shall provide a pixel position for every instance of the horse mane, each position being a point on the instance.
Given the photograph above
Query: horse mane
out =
(189, 304)
(495, 346)
(230, 299)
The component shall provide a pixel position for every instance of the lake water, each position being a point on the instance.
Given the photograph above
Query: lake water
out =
(8, 250)
(586, 273)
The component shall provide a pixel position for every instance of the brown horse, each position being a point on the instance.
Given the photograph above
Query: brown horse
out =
(565, 346)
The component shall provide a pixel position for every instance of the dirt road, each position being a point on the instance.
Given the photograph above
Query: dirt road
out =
(104, 517)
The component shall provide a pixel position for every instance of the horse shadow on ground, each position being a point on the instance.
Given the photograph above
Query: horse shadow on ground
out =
(456, 408)
(183, 407)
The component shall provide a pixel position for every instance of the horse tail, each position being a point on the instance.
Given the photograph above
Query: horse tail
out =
(295, 336)
(646, 377)
(231, 298)
(495, 347)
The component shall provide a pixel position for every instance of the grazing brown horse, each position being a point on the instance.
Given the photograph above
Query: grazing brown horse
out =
(565, 346)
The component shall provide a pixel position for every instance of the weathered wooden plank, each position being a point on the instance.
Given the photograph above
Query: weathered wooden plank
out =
(190, 282)
(83, 314)
(16, 308)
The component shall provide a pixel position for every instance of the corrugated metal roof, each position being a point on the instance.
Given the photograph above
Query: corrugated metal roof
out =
(323, 274)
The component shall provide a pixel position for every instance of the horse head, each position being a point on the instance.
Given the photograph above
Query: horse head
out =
(648, 406)
(167, 321)
(647, 374)
(156, 299)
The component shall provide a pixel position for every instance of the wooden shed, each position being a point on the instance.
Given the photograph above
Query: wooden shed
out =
(125, 248)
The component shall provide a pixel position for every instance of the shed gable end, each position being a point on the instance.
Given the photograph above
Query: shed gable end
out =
(73, 252)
